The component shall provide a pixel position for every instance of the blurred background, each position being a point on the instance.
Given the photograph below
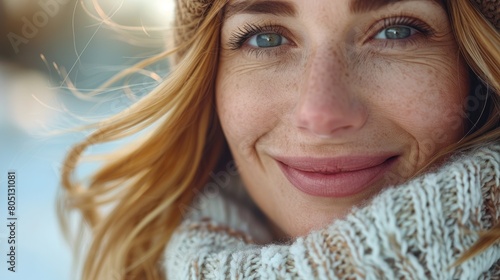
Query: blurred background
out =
(47, 47)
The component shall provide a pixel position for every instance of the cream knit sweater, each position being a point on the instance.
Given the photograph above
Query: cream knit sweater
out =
(412, 231)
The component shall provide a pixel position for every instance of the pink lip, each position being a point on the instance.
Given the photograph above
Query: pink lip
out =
(334, 177)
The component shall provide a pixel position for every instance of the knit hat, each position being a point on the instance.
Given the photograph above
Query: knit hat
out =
(490, 9)
(189, 14)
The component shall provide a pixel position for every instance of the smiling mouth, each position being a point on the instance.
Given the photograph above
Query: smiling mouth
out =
(335, 177)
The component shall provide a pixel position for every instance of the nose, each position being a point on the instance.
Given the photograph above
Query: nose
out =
(326, 106)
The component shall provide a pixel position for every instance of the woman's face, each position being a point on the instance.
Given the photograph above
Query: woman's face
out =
(324, 103)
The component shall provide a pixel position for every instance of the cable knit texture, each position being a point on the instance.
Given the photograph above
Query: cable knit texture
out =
(412, 231)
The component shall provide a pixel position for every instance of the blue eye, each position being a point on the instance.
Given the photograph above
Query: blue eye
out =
(398, 32)
(267, 40)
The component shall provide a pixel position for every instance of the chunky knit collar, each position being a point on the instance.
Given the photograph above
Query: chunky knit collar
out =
(412, 231)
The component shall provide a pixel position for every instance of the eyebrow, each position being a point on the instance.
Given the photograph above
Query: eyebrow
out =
(285, 8)
(277, 8)
(365, 6)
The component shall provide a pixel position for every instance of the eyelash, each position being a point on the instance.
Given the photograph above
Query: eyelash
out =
(244, 33)
(419, 25)
(241, 36)
(424, 30)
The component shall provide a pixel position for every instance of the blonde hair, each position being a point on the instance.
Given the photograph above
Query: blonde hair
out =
(479, 41)
(146, 183)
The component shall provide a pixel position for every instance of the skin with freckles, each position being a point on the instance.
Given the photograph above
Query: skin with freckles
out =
(368, 83)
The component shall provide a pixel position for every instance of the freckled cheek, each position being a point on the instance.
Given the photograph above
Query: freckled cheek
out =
(426, 102)
(247, 107)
